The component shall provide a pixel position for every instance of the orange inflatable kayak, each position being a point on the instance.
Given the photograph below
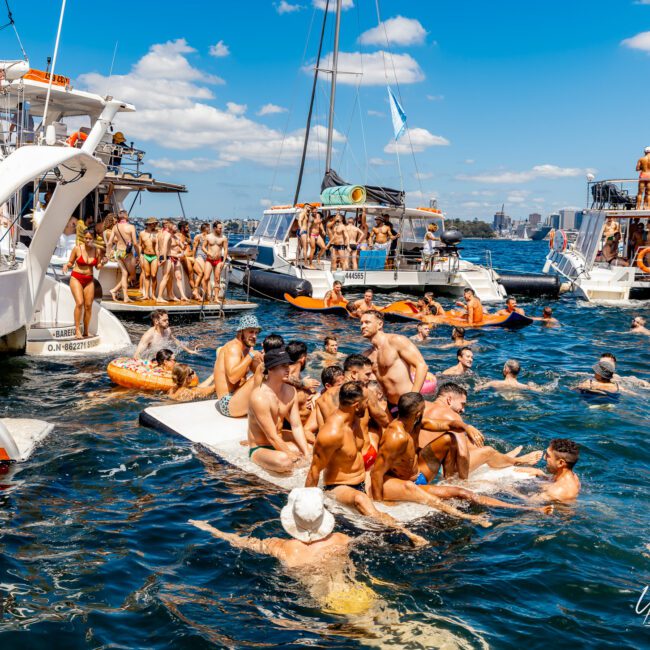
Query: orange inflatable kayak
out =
(316, 304)
(141, 375)
(454, 319)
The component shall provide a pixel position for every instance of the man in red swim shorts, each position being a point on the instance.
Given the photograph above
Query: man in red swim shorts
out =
(215, 247)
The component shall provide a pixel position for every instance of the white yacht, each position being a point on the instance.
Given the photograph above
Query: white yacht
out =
(595, 269)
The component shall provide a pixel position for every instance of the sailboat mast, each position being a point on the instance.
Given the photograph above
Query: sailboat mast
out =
(335, 60)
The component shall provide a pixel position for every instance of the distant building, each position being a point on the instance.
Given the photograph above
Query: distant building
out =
(501, 221)
(554, 220)
(567, 219)
(534, 219)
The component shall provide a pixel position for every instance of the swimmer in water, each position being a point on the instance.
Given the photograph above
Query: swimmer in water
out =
(183, 391)
(637, 326)
(458, 339)
(422, 336)
(360, 307)
(610, 358)
(330, 355)
(511, 306)
(335, 295)
(547, 318)
(511, 369)
(158, 336)
(602, 381)
(563, 483)
(465, 358)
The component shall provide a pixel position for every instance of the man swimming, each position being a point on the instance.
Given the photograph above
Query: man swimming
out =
(274, 401)
(330, 354)
(458, 339)
(602, 381)
(511, 369)
(610, 358)
(337, 453)
(546, 318)
(235, 360)
(400, 367)
(638, 326)
(360, 307)
(465, 358)
(159, 336)
(422, 336)
(396, 474)
(511, 306)
(335, 295)
(435, 308)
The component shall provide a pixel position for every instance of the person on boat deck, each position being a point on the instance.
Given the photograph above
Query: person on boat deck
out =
(83, 258)
(158, 336)
(337, 454)
(511, 307)
(611, 238)
(563, 484)
(398, 364)
(271, 446)
(361, 306)
(330, 354)
(643, 193)
(429, 247)
(474, 308)
(235, 360)
(602, 379)
(465, 358)
(422, 336)
(148, 242)
(356, 237)
(124, 241)
(338, 242)
(381, 236)
(396, 474)
(510, 381)
(637, 326)
(119, 149)
(335, 295)
(215, 247)
(458, 339)
(183, 376)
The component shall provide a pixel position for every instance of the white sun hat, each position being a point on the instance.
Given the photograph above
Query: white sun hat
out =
(305, 517)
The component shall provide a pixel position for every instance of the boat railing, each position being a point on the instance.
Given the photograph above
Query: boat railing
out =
(613, 194)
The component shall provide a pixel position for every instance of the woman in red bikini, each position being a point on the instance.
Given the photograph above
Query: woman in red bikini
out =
(83, 259)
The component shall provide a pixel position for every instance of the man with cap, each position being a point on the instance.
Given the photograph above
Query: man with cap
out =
(148, 241)
(270, 404)
(602, 379)
(643, 194)
(235, 360)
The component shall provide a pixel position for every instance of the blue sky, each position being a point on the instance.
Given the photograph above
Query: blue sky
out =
(507, 102)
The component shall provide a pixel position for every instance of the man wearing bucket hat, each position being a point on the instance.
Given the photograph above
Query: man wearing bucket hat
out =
(235, 361)
(271, 403)
(602, 381)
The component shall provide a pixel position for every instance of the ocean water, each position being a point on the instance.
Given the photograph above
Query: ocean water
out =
(96, 552)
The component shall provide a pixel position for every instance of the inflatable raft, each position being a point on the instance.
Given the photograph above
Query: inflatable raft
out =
(141, 375)
(316, 304)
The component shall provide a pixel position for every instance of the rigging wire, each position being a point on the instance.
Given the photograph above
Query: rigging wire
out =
(12, 22)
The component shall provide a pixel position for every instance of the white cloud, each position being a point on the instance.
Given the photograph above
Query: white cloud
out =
(285, 8)
(219, 50)
(378, 161)
(420, 140)
(416, 196)
(271, 109)
(372, 67)
(376, 113)
(171, 97)
(435, 98)
(470, 161)
(191, 165)
(642, 2)
(423, 175)
(266, 203)
(398, 30)
(321, 4)
(639, 42)
(538, 171)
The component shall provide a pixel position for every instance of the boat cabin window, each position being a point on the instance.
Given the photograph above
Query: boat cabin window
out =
(275, 226)
(414, 229)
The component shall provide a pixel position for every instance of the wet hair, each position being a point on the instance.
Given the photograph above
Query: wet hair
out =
(458, 332)
(512, 366)
(408, 403)
(272, 342)
(450, 388)
(566, 449)
(296, 349)
(356, 361)
(460, 351)
(157, 314)
(547, 311)
(468, 290)
(164, 355)
(330, 338)
(510, 299)
(330, 374)
(205, 226)
(350, 392)
(377, 314)
(180, 373)
(608, 355)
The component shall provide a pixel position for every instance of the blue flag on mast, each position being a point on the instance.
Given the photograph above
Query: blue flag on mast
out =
(397, 114)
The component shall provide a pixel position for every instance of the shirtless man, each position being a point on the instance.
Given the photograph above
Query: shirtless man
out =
(304, 217)
(305, 387)
(396, 473)
(610, 358)
(473, 307)
(149, 258)
(159, 336)
(381, 237)
(338, 243)
(643, 167)
(511, 369)
(337, 453)
(215, 247)
(611, 239)
(602, 379)
(124, 240)
(546, 318)
(364, 304)
(269, 445)
(176, 254)
(355, 239)
(448, 406)
(435, 308)
(422, 336)
(458, 339)
(335, 295)
(563, 485)
(511, 306)
(465, 358)
(396, 359)
(638, 326)
(330, 354)
(234, 362)
(164, 242)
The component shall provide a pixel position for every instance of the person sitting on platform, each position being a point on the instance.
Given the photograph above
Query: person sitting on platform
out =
(473, 307)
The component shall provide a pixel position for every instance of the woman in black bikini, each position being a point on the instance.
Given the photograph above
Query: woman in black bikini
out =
(83, 259)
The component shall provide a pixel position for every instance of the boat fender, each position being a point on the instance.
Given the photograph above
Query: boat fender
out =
(8, 448)
(274, 285)
(530, 284)
(640, 260)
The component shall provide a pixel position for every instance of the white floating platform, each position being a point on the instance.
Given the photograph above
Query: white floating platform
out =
(201, 423)
(25, 434)
(190, 307)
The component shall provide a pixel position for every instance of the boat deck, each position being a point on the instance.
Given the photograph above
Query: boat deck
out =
(178, 307)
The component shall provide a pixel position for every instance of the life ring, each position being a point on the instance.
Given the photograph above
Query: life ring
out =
(77, 135)
(640, 257)
(141, 375)
(560, 241)
(430, 384)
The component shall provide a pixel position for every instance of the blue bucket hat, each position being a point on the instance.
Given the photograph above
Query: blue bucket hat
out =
(248, 322)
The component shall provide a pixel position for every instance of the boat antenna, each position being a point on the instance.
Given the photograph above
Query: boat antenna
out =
(56, 51)
(335, 60)
(12, 22)
(110, 72)
(311, 105)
